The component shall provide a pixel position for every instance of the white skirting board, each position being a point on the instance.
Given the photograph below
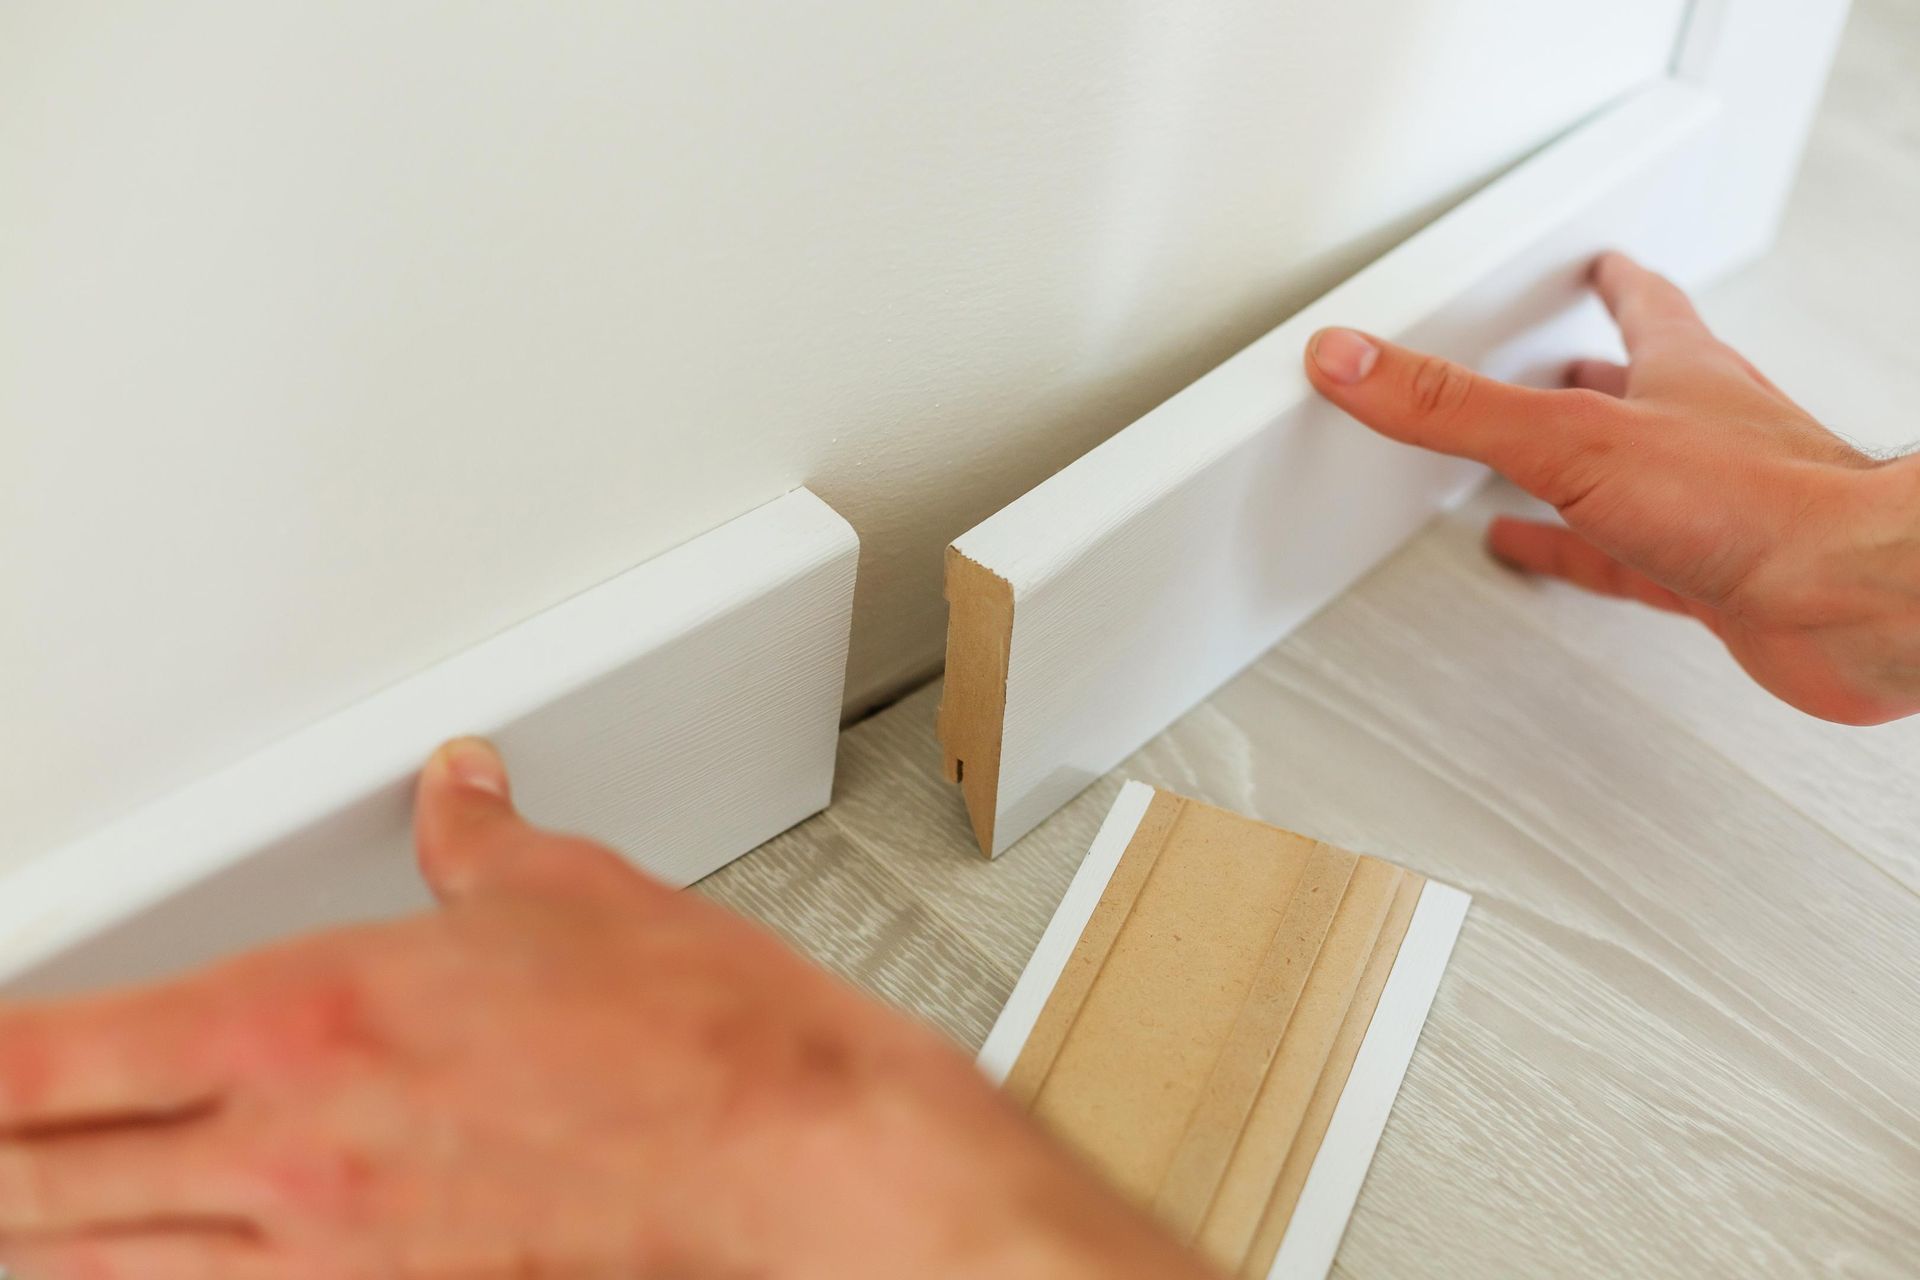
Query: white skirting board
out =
(1340, 1166)
(684, 712)
(1104, 603)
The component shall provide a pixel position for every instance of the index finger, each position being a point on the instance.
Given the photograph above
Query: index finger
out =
(1550, 443)
(1650, 309)
(133, 1055)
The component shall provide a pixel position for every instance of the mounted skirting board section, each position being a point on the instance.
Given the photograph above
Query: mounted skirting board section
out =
(1090, 613)
(683, 712)
(1218, 1020)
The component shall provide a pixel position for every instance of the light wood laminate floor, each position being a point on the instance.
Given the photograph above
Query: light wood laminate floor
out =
(1681, 1033)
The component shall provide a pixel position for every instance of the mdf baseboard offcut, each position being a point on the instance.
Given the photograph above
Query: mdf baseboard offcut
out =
(1218, 1019)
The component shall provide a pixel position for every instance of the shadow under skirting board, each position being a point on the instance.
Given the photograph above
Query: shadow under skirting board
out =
(1218, 1019)
(683, 712)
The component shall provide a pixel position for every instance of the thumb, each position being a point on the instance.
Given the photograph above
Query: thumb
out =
(463, 816)
(1537, 439)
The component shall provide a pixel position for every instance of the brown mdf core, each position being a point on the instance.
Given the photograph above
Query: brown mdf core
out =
(974, 698)
(1089, 956)
(1137, 1059)
(1214, 1128)
(1204, 1025)
(1333, 1080)
(1297, 1056)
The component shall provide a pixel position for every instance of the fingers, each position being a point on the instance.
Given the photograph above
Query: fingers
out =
(1561, 553)
(1604, 376)
(185, 1255)
(122, 1178)
(138, 1054)
(1649, 308)
(464, 820)
(1545, 441)
(470, 838)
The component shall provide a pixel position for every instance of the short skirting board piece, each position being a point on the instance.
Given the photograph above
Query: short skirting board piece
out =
(684, 712)
(1218, 1019)
(1090, 613)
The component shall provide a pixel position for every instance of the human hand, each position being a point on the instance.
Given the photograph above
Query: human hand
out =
(1688, 482)
(568, 1070)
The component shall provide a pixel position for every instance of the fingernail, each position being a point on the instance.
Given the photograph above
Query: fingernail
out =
(1343, 355)
(475, 763)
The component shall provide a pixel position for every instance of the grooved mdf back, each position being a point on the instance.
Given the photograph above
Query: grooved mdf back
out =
(1207, 1020)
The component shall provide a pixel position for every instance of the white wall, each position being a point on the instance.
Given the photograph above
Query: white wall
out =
(337, 336)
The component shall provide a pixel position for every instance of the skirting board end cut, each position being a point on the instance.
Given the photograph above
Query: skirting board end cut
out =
(979, 630)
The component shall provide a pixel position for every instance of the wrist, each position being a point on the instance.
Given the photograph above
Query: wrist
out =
(1872, 600)
(1883, 541)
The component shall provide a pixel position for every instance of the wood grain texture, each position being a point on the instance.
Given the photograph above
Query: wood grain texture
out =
(1862, 784)
(1144, 574)
(815, 889)
(687, 711)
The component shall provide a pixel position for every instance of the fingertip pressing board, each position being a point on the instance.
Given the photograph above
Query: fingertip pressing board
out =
(1218, 1019)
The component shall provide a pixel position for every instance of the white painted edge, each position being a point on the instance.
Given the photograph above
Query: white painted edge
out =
(1346, 1152)
(352, 770)
(1029, 997)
